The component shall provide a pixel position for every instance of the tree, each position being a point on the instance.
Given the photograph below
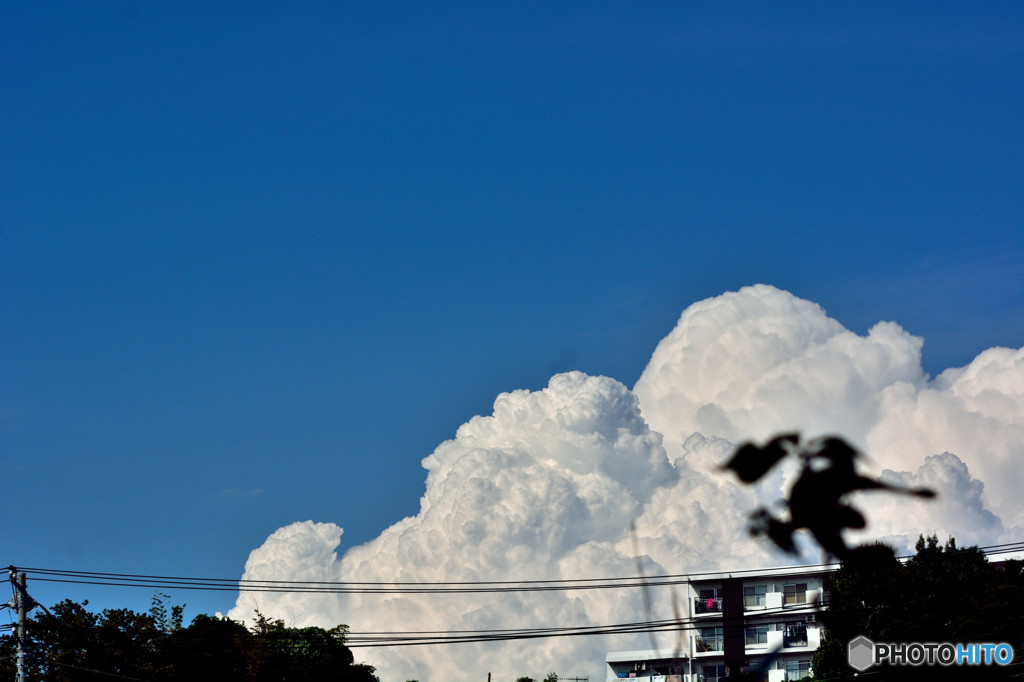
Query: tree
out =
(942, 594)
(209, 650)
(864, 595)
(71, 644)
(129, 644)
(298, 654)
(60, 643)
(158, 612)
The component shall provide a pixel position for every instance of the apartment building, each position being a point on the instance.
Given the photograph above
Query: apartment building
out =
(766, 620)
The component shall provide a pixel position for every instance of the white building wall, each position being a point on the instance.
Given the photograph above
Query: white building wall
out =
(772, 609)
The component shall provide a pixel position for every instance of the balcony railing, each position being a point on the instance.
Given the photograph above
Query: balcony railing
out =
(707, 605)
(796, 639)
(704, 644)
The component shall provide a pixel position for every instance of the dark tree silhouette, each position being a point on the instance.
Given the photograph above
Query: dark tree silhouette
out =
(942, 594)
(71, 644)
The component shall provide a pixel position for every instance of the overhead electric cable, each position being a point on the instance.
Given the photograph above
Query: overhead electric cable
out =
(99, 672)
(400, 587)
(360, 640)
(156, 581)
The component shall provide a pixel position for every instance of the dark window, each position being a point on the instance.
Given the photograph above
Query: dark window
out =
(757, 635)
(796, 670)
(795, 594)
(754, 595)
(712, 673)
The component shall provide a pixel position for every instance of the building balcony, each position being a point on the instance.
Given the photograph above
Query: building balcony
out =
(794, 638)
(705, 645)
(781, 600)
(663, 665)
(704, 606)
(811, 640)
(783, 675)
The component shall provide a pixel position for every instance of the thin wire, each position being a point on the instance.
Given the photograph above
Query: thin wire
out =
(376, 639)
(489, 586)
(299, 587)
(150, 581)
(99, 672)
(369, 639)
(341, 588)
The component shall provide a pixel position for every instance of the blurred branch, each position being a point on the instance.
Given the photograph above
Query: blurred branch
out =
(817, 500)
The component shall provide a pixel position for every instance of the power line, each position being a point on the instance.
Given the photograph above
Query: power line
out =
(98, 672)
(185, 583)
(181, 582)
(341, 587)
(379, 639)
(368, 639)
(444, 587)
(669, 625)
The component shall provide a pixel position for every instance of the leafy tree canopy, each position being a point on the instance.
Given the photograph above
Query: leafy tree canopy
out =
(942, 594)
(68, 643)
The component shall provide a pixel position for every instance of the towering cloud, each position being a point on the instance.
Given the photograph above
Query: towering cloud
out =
(976, 412)
(547, 486)
(749, 364)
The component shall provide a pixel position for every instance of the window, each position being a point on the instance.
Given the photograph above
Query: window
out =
(712, 673)
(795, 594)
(796, 670)
(710, 639)
(710, 593)
(757, 636)
(754, 595)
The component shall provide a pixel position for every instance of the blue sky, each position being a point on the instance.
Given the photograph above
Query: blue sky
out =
(258, 261)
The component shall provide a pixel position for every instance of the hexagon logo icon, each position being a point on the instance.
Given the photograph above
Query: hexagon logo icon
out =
(861, 653)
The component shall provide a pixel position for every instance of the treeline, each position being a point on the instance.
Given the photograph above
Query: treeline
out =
(943, 593)
(71, 644)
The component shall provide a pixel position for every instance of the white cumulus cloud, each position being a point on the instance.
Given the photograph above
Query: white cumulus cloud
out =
(548, 485)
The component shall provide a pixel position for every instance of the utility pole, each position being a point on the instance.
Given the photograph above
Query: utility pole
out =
(22, 603)
(22, 676)
(733, 642)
